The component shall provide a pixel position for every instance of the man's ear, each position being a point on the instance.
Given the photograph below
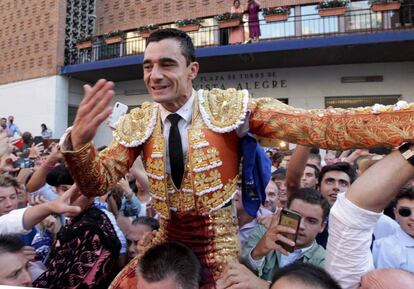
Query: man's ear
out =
(194, 67)
(323, 226)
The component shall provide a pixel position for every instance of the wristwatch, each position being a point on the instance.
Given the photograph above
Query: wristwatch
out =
(407, 152)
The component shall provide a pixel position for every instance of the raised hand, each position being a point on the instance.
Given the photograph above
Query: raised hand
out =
(93, 110)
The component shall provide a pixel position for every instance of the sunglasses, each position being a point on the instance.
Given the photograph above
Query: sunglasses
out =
(404, 212)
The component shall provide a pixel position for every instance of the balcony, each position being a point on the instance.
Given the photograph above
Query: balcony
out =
(372, 31)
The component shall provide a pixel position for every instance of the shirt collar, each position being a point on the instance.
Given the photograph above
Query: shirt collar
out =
(186, 111)
(405, 239)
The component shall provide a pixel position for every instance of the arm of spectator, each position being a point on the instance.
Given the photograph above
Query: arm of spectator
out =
(34, 215)
(390, 174)
(238, 276)
(24, 174)
(297, 166)
(138, 171)
(38, 178)
(355, 155)
(348, 255)
(6, 163)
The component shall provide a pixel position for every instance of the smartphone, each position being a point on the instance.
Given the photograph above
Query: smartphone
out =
(24, 163)
(292, 220)
(119, 110)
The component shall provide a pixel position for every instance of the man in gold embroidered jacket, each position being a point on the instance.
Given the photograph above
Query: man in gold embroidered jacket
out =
(196, 213)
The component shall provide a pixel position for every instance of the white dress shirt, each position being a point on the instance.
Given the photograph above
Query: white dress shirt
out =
(348, 254)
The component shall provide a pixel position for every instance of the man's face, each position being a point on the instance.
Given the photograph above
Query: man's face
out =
(271, 196)
(334, 182)
(308, 179)
(168, 283)
(329, 159)
(15, 273)
(281, 185)
(406, 223)
(8, 200)
(3, 123)
(166, 74)
(135, 234)
(311, 223)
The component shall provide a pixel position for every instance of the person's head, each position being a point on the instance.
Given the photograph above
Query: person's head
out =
(236, 3)
(8, 194)
(27, 138)
(279, 177)
(11, 119)
(334, 179)
(315, 159)
(314, 209)
(330, 158)
(168, 266)
(387, 279)
(3, 122)
(11, 253)
(287, 155)
(170, 67)
(310, 177)
(272, 193)
(60, 178)
(138, 228)
(303, 276)
(43, 126)
(277, 159)
(404, 210)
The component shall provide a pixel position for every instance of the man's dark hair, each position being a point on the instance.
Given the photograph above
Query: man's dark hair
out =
(315, 169)
(148, 221)
(186, 44)
(340, 166)
(59, 175)
(279, 174)
(315, 157)
(308, 274)
(405, 193)
(313, 197)
(170, 260)
(10, 244)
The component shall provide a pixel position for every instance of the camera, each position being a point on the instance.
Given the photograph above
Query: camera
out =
(24, 163)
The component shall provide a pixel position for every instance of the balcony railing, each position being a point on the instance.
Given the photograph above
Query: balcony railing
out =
(311, 25)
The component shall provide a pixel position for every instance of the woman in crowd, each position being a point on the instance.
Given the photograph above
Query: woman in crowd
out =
(237, 33)
(46, 132)
(253, 8)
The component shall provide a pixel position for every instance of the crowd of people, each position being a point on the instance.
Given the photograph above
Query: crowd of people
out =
(167, 204)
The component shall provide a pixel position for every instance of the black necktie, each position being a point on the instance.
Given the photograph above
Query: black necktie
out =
(176, 150)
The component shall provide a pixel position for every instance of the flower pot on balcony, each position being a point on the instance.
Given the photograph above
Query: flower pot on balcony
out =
(336, 11)
(229, 23)
(84, 45)
(276, 17)
(378, 7)
(144, 34)
(189, 28)
(113, 39)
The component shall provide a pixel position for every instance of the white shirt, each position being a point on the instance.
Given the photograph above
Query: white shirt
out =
(348, 254)
(186, 113)
(292, 257)
(395, 251)
(12, 223)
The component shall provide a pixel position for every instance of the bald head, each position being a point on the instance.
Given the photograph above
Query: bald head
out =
(387, 279)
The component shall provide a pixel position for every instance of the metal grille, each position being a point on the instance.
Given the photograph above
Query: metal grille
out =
(358, 101)
(80, 22)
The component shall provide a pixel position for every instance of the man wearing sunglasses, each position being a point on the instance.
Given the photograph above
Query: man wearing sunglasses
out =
(397, 250)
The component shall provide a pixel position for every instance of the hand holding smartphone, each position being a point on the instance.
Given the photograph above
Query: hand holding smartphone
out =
(117, 112)
(292, 220)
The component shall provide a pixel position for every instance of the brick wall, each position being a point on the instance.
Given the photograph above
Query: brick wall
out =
(31, 38)
(129, 14)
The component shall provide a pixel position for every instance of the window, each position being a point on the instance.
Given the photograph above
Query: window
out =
(360, 17)
(277, 29)
(312, 23)
(359, 101)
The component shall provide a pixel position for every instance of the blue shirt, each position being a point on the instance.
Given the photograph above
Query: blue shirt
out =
(395, 251)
